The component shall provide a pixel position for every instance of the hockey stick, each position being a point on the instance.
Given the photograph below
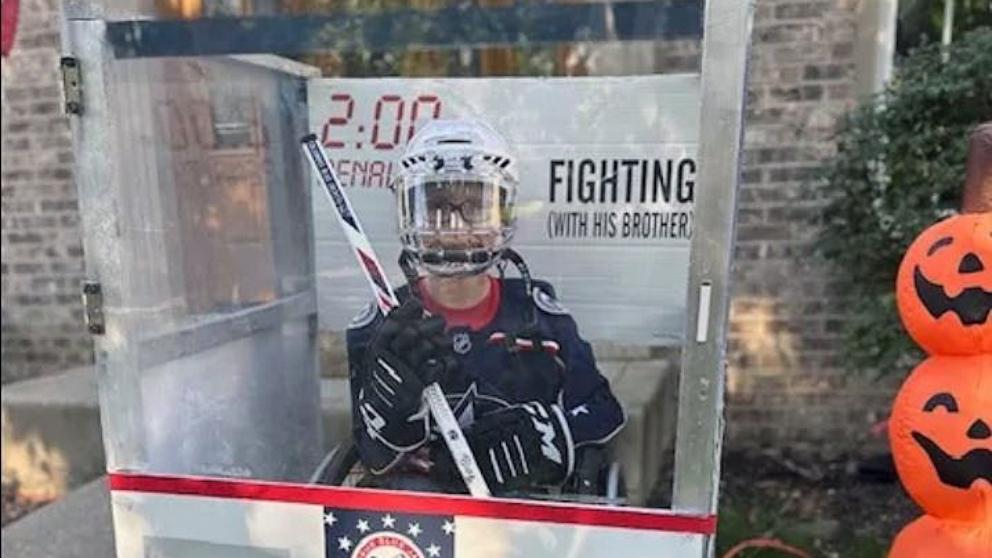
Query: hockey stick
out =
(386, 299)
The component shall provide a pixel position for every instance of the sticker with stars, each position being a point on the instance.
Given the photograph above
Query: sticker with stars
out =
(366, 534)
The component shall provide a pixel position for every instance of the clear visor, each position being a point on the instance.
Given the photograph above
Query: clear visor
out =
(467, 204)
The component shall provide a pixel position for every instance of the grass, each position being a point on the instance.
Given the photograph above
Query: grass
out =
(740, 522)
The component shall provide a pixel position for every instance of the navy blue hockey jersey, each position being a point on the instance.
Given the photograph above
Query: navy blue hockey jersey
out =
(559, 368)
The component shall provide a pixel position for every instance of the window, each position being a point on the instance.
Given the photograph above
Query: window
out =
(922, 22)
(889, 29)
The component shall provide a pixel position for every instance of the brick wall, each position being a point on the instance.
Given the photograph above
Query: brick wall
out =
(42, 264)
(786, 377)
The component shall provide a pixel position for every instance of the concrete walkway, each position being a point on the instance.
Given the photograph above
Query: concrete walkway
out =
(77, 526)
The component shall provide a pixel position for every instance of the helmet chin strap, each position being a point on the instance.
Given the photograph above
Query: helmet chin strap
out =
(514, 257)
(529, 330)
(408, 264)
(528, 334)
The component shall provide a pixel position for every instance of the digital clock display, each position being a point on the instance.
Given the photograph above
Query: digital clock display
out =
(364, 135)
(388, 123)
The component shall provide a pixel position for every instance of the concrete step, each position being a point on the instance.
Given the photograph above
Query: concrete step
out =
(51, 433)
(52, 441)
(77, 526)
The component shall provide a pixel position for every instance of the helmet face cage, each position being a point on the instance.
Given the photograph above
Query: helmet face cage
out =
(455, 201)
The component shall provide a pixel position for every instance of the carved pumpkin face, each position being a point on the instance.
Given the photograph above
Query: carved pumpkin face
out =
(941, 436)
(944, 286)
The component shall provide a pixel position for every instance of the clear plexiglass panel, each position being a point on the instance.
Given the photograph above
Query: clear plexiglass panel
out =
(197, 217)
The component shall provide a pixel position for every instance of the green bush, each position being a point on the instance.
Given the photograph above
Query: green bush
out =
(899, 167)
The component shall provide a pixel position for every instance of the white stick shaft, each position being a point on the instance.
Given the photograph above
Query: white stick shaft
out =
(386, 298)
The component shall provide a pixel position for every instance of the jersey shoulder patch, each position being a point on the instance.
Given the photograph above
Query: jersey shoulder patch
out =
(548, 303)
(364, 317)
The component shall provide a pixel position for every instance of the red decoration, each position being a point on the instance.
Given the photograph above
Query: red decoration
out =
(8, 25)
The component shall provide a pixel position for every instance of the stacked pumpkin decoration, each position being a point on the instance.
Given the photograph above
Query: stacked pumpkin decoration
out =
(941, 424)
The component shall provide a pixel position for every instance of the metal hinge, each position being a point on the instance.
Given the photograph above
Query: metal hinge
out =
(72, 85)
(93, 307)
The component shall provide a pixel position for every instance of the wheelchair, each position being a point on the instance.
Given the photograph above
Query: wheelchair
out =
(596, 480)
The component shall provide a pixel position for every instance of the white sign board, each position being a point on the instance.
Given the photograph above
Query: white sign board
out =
(605, 207)
(170, 517)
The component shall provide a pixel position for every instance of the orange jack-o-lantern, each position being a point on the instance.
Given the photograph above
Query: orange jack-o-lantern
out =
(929, 537)
(941, 436)
(944, 286)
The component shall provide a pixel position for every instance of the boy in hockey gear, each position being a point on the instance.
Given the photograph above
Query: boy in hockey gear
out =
(519, 378)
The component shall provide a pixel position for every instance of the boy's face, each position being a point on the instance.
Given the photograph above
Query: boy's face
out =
(459, 215)
(457, 221)
(460, 205)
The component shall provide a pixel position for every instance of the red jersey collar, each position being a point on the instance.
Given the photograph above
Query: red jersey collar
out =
(474, 317)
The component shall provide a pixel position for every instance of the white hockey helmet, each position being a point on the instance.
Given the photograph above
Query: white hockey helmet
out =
(455, 191)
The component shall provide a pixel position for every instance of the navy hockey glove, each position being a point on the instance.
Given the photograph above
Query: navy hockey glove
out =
(517, 448)
(407, 353)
